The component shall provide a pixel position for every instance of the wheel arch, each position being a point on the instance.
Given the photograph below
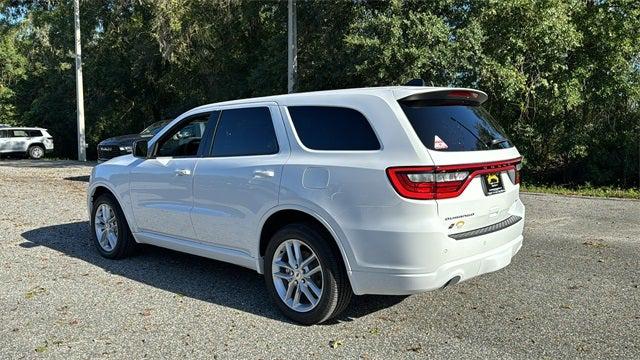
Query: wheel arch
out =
(283, 215)
(37, 143)
(99, 189)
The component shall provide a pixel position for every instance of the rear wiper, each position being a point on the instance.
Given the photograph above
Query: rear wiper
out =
(470, 132)
(495, 142)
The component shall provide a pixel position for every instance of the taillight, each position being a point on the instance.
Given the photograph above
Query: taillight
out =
(425, 182)
(514, 174)
(463, 94)
(443, 182)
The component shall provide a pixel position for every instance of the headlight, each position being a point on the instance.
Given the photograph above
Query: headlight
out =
(126, 149)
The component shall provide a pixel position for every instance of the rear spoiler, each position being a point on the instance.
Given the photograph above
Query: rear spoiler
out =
(473, 97)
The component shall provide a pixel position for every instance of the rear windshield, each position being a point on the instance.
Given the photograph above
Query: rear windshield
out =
(455, 127)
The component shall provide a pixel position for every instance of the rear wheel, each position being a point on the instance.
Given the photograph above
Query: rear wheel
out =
(36, 152)
(111, 233)
(304, 275)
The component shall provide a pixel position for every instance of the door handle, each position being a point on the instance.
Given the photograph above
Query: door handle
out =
(183, 172)
(263, 173)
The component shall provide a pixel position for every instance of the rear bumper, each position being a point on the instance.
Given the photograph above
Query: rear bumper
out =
(408, 262)
(466, 268)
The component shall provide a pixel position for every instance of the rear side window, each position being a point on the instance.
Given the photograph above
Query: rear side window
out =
(19, 133)
(333, 128)
(34, 133)
(244, 132)
(455, 127)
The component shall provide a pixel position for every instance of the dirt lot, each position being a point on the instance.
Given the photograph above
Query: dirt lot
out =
(572, 291)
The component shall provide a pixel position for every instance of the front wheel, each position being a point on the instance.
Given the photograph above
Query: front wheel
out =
(304, 275)
(111, 233)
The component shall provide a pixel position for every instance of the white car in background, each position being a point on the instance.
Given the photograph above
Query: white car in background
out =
(393, 190)
(33, 142)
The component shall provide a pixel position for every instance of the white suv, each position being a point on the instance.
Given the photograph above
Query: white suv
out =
(31, 141)
(393, 190)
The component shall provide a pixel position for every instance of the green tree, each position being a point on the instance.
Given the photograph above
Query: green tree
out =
(563, 77)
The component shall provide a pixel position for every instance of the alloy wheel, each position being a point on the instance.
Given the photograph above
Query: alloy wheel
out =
(106, 227)
(297, 275)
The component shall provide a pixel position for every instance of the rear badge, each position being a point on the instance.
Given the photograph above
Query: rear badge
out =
(439, 144)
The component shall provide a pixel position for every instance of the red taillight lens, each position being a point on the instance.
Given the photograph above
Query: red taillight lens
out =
(461, 94)
(514, 174)
(426, 183)
(443, 182)
(518, 177)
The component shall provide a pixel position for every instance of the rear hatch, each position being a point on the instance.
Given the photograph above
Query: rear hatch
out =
(475, 177)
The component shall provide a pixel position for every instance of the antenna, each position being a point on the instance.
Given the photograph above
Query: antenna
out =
(415, 82)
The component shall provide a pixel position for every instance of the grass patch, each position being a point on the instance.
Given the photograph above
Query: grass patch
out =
(33, 292)
(585, 190)
(596, 244)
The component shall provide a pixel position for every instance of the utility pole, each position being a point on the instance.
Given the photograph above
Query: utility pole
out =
(292, 27)
(82, 149)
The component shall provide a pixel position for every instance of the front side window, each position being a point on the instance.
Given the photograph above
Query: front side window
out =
(245, 132)
(333, 128)
(184, 141)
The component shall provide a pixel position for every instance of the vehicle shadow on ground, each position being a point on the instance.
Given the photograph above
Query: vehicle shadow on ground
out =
(82, 178)
(186, 275)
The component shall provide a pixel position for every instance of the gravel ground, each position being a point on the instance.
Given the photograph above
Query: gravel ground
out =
(572, 291)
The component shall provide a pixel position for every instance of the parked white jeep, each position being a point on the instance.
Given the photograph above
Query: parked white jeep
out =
(31, 141)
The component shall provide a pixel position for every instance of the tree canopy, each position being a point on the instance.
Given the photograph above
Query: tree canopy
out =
(563, 76)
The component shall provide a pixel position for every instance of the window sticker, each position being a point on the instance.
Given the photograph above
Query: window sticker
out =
(439, 144)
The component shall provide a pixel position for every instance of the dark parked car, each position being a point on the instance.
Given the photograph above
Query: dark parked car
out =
(121, 145)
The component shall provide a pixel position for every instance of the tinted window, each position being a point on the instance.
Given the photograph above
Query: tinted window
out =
(184, 140)
(333, 128)
(34, 133)
(247, 131)
(455, 127)
(4, 133)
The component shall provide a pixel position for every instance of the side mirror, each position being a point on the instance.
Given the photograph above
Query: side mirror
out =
(140, 148)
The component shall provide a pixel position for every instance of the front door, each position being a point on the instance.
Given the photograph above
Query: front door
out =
(4, 141)
(162, 185)
(17, 141)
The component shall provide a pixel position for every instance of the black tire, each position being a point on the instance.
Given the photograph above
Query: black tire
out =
(125, 244)
(35, 152)
(336, 290)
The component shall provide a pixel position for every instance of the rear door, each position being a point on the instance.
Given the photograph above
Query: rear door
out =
(472, 153)
(239, 179)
